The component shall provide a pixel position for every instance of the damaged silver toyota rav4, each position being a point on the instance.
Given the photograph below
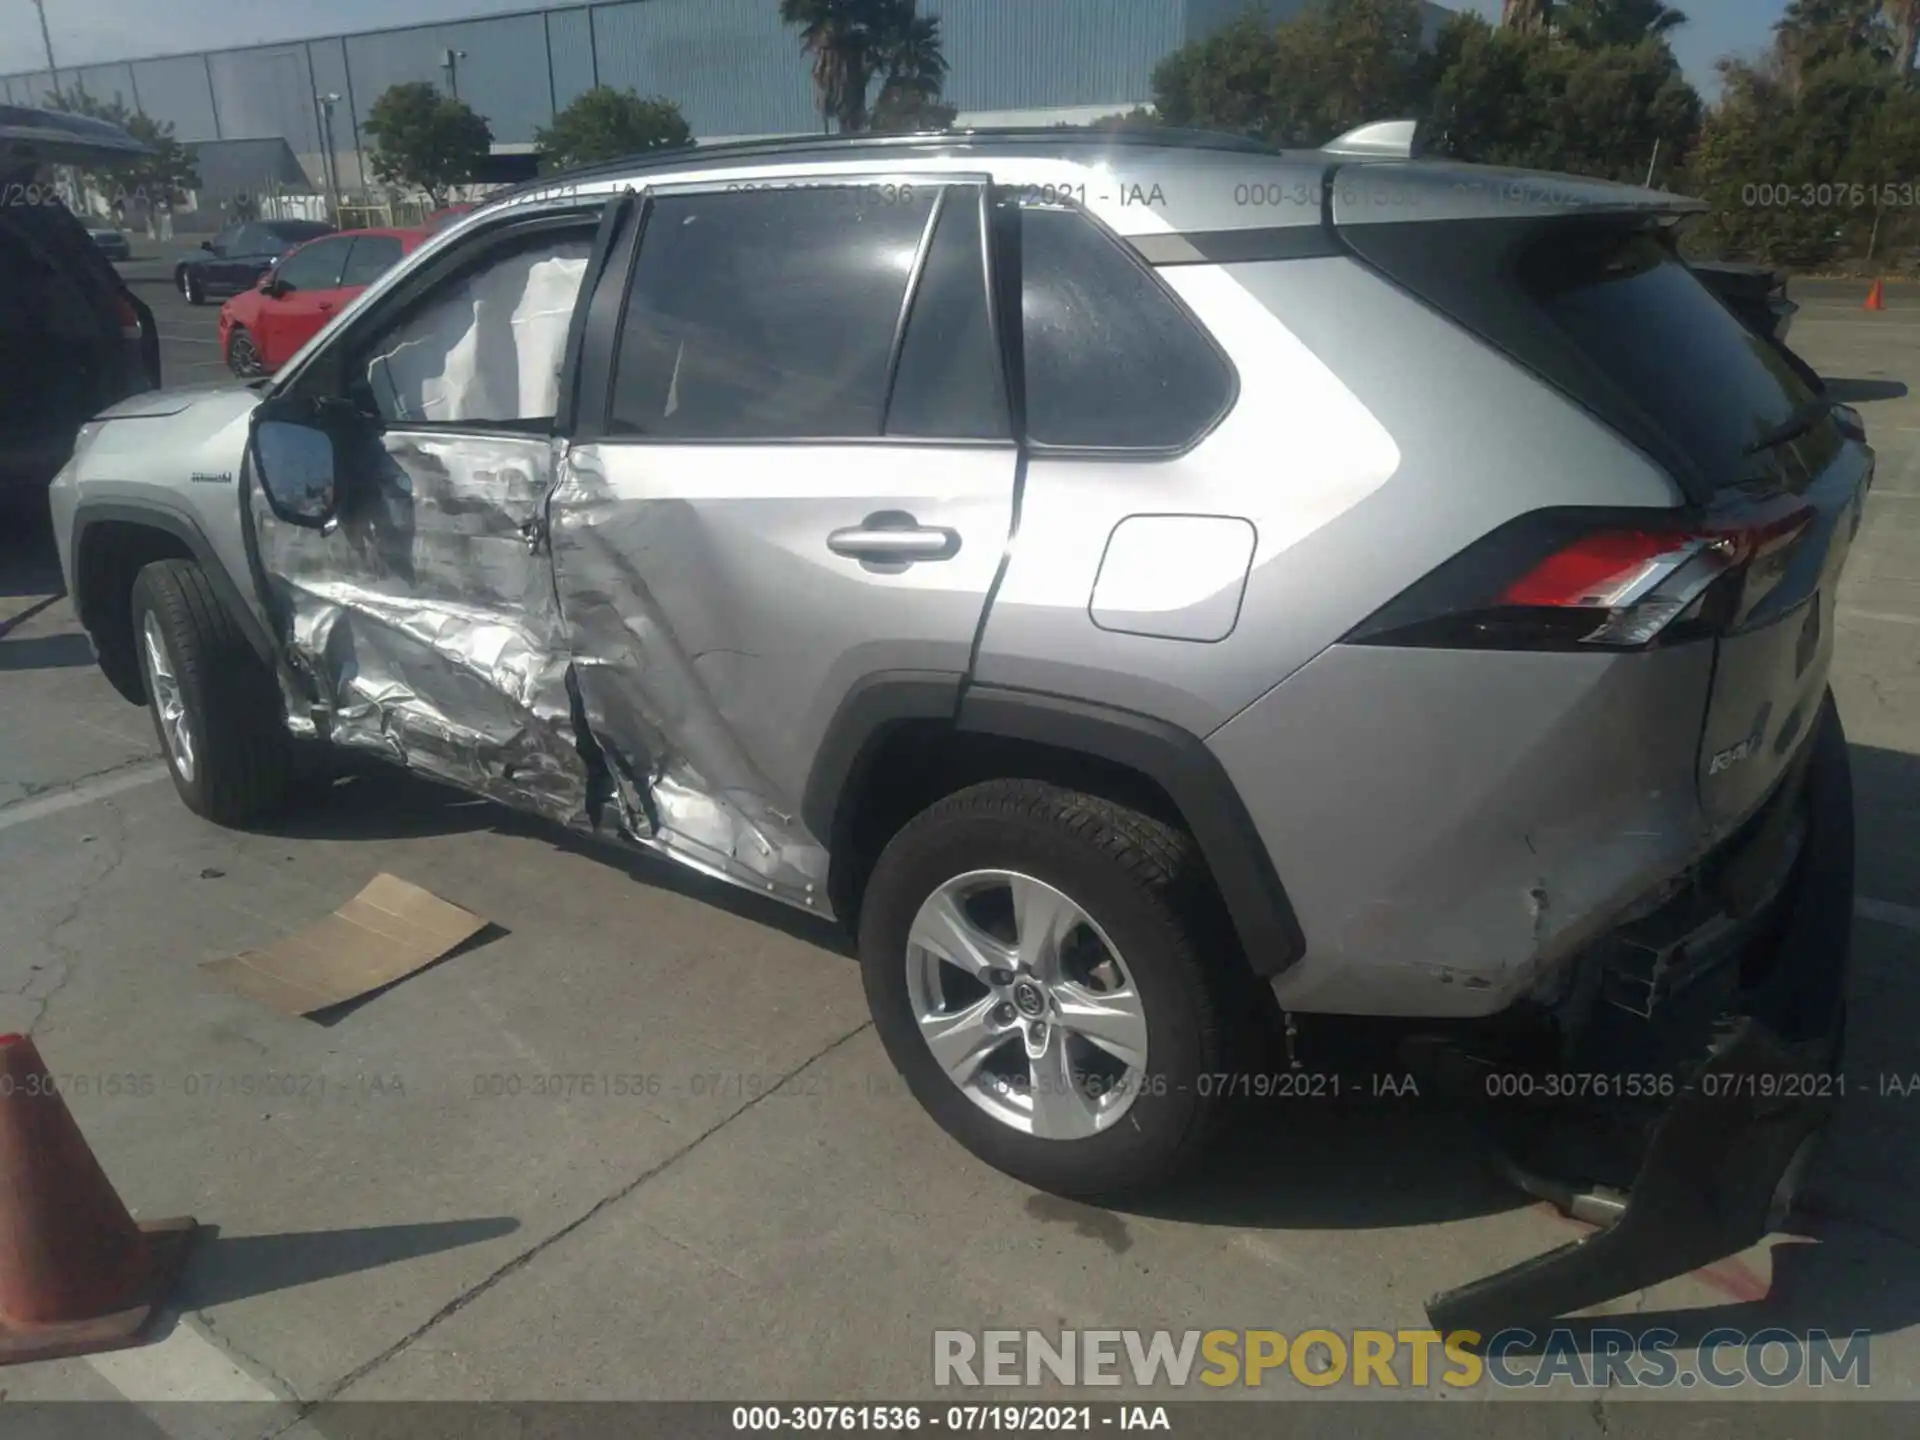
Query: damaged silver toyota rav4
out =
(1144, 585)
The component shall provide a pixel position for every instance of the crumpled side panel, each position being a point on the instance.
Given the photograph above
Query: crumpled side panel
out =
(429, 624)
(678, 778)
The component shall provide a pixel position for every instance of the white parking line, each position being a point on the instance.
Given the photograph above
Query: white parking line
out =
(85, 793)
(190, 339)
(1847, 612)
(1905, 917)
(184, 1366)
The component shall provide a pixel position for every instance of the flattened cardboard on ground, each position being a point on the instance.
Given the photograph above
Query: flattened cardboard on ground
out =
(383, 934)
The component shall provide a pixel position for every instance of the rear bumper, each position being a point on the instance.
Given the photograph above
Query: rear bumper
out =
(1720, 1165)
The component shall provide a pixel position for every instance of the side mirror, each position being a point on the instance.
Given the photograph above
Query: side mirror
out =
(296, 461)
(207, 245)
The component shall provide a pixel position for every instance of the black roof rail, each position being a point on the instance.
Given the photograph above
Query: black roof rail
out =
(1066, 136)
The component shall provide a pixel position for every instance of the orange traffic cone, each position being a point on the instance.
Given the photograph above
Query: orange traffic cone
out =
(1877, 297)
(77, 1275)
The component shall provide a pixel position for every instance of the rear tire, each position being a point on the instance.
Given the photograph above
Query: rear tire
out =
(1143, 897)
(215, 703)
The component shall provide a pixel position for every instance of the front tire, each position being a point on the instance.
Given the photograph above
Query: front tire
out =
(215, 704)
(191, 288)
(1051, 973)
(243, 356)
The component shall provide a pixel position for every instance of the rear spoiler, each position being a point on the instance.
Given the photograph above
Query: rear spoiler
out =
(53, 137)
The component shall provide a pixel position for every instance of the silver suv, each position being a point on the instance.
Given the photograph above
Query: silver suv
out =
(1147, 586)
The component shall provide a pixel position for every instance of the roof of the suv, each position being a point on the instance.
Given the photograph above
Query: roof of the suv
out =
(1149, 180)
(800, 149)
(55, 137)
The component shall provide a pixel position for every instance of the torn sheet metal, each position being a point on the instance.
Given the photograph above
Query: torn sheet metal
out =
(679, 779)
(429, 624)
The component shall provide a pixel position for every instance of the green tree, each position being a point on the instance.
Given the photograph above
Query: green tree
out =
(903, 112)
(1140, 117)
(854, 43)
(162, 177)
(1223, 82)
(605, 124)
(426, 140)
(1302, 82)
(1803, 168)
(1510, 97)
(1596, 23)
(1810, 33)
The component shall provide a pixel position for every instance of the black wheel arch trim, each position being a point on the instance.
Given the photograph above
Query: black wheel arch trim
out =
(183, 529)
(875, 704)
(1176, 760)
(1193, 778)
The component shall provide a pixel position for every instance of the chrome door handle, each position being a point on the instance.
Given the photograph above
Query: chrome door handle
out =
(897, 544)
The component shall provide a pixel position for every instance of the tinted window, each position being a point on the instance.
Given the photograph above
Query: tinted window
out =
(766, 314)
(948, 384)
(1648, 323)
(1112, 359)
(314, 267)
(487, 344)
(372, 257)
(223, 243)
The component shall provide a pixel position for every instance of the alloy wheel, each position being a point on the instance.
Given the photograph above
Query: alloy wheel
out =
(1026, 1004)
(168, 703)
(242, 358)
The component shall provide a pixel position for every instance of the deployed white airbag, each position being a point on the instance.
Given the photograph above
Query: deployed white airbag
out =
(492, 348)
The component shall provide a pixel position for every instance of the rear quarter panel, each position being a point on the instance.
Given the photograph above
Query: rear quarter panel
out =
(1372, 439)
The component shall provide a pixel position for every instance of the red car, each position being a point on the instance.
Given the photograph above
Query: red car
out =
(260, 329)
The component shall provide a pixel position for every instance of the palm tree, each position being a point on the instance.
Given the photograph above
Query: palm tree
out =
(1904, 16)
(1811, 32)
(911, 66)
(1616, 22)
(1526, 16)
(853, 42)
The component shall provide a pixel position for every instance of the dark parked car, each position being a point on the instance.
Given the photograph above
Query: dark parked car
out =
(111, 243)
(236, 258)
(73, 338)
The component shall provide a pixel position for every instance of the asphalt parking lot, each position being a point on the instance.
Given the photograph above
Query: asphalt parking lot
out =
(771, 1217)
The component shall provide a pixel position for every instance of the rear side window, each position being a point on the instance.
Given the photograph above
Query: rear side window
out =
(1113, 361)
(948, 384)
(1645, 321)
(766, 314)
(372, 257)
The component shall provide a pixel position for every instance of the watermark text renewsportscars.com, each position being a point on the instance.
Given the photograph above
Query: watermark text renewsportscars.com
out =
(1607, 1357)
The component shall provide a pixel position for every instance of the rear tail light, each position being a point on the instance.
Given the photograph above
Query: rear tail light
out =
(1570, 580)
(129, 318)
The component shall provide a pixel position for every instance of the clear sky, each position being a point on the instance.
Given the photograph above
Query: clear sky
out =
(86, 31)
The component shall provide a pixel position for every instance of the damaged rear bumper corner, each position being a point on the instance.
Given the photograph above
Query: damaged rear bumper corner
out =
(1720, 1166)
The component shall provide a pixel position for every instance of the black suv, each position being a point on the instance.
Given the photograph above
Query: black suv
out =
(73, 338)
(239, 255)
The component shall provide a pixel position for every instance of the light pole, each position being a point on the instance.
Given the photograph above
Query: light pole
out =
(449, 62)
(327, 160)
(46, 39)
